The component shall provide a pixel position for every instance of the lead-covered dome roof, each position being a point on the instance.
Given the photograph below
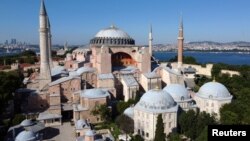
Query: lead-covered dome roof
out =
(94, 93)
(26, 136)
(177, 91)
(156, 101)
(112, 36)
(214, 90)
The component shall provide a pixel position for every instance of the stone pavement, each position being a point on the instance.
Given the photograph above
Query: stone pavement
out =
(64, 132)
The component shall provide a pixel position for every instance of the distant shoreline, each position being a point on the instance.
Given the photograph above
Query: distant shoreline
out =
(208, 51)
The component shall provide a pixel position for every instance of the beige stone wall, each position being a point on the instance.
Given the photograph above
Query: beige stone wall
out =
(90, 104)
(140, 55)
(105, 83)
(76, 97)
(200, 70)
(69, 87)
(165, 76)
(129, 92)
(55, 89)
(55, 100)
(91, 78)
(210, 105)
(146, 122)
(55, 111)
(72, 64)
(151, 83)
(103, 63)
(231, 73)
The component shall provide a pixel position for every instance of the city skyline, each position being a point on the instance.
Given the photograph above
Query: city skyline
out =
(77, 22)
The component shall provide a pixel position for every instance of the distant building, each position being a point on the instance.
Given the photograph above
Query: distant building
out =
(13, 41)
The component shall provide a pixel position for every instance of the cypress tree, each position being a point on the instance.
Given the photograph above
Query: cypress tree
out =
(159, 132)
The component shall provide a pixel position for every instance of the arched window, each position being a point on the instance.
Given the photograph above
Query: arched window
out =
(210, 96)
(182, 98)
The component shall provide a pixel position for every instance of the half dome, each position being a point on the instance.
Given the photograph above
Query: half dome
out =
(129, 112)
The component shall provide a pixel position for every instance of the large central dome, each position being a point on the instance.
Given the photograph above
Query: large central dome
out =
(112, 32)
(112, 36)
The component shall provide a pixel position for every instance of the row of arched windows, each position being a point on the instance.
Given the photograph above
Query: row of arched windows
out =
(113, 41)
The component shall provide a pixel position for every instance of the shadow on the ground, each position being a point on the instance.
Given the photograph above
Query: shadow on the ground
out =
(50, 132)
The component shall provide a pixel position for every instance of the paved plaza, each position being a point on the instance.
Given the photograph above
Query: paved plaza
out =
(64, 132)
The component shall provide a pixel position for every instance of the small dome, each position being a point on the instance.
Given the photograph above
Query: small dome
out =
(27, 122)
(129, 112)
(26, 136)
(177, 91)
(213, 90)
(84, 69)
(156, 101)
(80, 124)
(94, 93)
(90, 133)
(112, 36)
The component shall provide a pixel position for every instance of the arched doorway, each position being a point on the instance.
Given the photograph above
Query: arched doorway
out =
(122, 59)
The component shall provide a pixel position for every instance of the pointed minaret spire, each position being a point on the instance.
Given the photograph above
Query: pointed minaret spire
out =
(49, 44)
(180, 43)
(45, 73)
(42, 8)
(150, 40)
(181, 22)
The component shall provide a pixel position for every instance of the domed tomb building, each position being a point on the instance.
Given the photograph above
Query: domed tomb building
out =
(153, 103)
(211, 97)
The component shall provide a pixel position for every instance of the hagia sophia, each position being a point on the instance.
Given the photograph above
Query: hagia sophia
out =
(114, 68)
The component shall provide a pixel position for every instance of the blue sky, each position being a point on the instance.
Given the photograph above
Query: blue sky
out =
(77, 21)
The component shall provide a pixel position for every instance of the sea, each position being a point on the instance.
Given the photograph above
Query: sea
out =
(233, 58)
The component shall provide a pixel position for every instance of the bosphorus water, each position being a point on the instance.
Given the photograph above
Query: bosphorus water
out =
(233, 58)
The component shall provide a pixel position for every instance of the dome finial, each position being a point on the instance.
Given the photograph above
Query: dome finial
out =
(112, 26)
(214, 79)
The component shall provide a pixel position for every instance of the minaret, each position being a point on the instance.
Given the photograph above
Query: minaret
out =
(50, 45)
(66, 46)
(45, 74)
(150, 40)
(180, 44)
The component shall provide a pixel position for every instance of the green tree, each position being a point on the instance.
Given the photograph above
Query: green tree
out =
(186, 60)
(174, 137)
(125, 123)
(9, 82)
(159, 132)
(228, 117)
(103, 111)
(192, 123)
(203, 135)
(18, 118)
(137, 138)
